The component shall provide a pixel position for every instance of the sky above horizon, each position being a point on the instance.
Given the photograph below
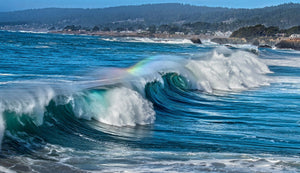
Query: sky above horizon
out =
(13, 5)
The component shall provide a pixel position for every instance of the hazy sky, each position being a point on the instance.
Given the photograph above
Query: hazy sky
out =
(11, 5)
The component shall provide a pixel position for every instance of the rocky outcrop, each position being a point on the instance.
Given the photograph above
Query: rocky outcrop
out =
(265, 42)
(264, 46)
(196, 40)
(255, 42)
(262, 42)
(289, 44)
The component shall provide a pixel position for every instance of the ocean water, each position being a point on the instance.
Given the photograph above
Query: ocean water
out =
(92, 104)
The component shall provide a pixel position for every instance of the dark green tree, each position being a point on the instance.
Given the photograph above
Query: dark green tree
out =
(152, 29)
(95, 29)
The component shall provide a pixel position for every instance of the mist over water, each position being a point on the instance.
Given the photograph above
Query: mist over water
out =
(82, 103)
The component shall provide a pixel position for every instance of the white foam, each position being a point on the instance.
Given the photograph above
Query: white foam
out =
(286, 62)
(118, 107)
(228, 70)
(109, 39)
(39, 75)
(41, 47)
(5, 170)
(6, 74)
(33, 32)
(161, 161)
(245, 46)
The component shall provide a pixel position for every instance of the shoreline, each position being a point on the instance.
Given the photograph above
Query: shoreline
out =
(263, 42)
(134, 34)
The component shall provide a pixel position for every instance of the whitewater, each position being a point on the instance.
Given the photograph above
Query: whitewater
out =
(91, 104)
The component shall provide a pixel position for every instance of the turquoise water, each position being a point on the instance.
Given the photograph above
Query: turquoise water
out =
(83, 103)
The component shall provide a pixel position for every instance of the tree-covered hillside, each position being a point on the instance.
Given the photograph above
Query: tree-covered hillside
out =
(262, 31)
(283, 16)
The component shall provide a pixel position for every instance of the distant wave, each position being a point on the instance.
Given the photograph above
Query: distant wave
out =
(150, 40)
(24, 31)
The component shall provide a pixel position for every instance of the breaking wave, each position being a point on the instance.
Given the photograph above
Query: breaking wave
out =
(130, 97)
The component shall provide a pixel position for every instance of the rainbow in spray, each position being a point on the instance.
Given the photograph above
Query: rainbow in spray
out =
(156, 64)
(140, 67)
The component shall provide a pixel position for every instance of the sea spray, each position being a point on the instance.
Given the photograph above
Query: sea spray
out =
(228, 70)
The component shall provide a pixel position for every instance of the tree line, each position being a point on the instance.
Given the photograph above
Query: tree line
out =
(263, 31)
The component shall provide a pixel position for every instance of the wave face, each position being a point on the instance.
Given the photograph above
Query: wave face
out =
(93, 104)
(118, 106)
